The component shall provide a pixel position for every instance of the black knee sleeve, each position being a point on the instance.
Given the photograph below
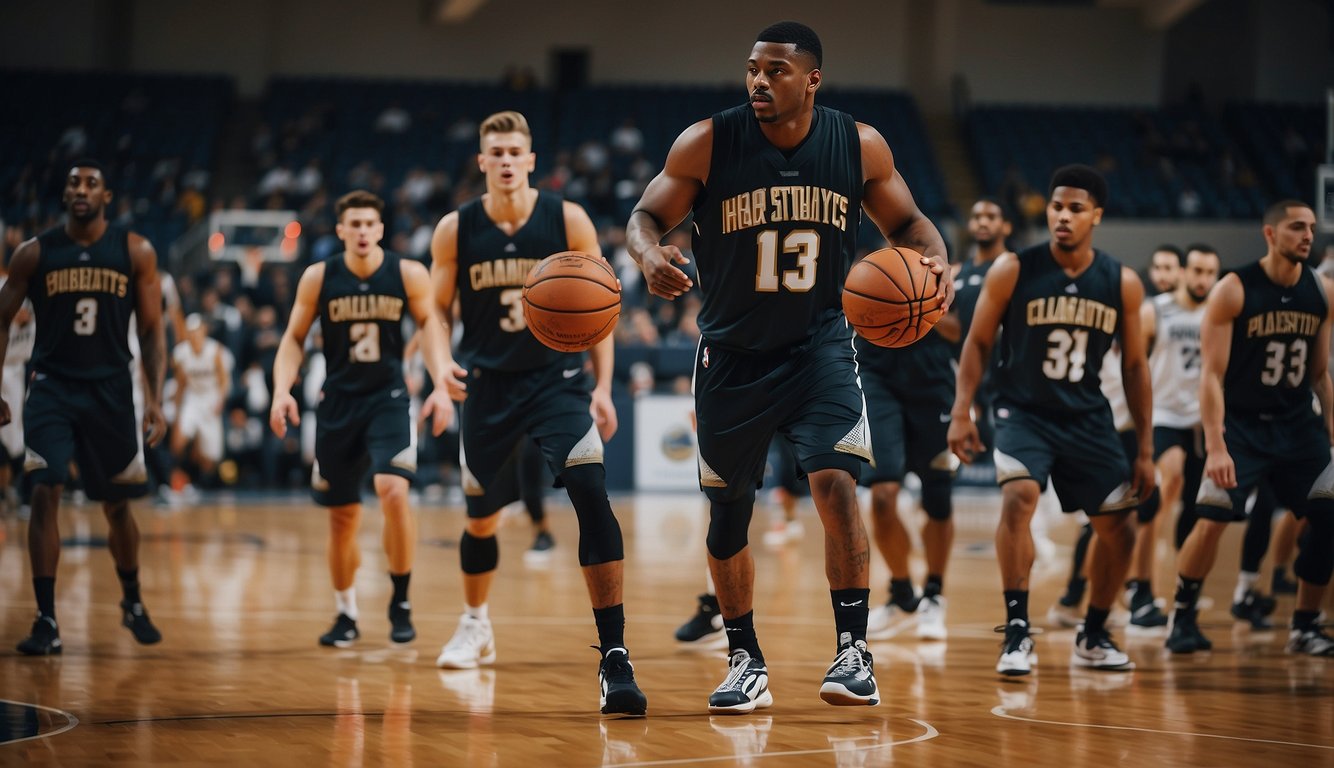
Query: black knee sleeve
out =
(1315, 562)
(729, 525)
(478, 555)
(936, 487)
(599, 532)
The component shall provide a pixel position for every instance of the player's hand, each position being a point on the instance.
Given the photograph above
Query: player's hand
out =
(453, 383)
(1219, 468)
(1144, 478)
(604, 414)
(282, 413)
(661, 276)
(440, 410)
(155, 424)
(964, 439)
(5, 416)
(941, 267)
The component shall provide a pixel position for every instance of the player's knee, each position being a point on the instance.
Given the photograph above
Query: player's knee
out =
(478, 555)
(392, 490)
(936, 497)
(884, 499)
(729, 525)
(1315, 563)
(117, 512)
(599, 532)
(483, 527)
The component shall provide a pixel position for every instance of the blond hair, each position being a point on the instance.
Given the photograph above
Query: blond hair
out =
(508, 121)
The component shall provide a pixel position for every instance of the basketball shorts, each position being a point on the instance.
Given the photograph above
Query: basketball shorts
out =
(13, 391)
(810, 396)
(782, 470)
(201, 421)
(1079, 452)
(908, 433)
(91, 423)
(1293, 453)
(549, 404)
(1188, 439)
(356, 433)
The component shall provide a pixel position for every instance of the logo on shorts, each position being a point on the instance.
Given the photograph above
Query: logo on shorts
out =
(1002, 413)
(704, 361)
(571, 373)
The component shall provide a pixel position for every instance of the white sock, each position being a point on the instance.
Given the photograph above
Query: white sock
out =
(1245, 582)
(347, 602)
(476, 611)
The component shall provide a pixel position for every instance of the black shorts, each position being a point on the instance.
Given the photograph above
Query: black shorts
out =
(1292, 453)
(908, 431)
(91, 422)
(782, 470)
(354, 433)
(1188, 439)
(550, 405)
(810, 396)
(1080, 452)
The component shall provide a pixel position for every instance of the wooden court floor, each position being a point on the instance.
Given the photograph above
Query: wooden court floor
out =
(240, 592)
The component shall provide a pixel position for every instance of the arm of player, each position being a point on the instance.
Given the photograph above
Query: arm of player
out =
(434, 346)
(1220, 309)
(963, 438)
(287, 361)
(888, 201)
(444, 285)
(224, 378)
(1320, 378)
(21, 266)
(152, 337)
(1135, 378)
(581, 235)
(666, 201)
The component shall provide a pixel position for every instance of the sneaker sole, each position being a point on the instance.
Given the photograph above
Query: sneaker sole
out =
(763, 701)
(339, 643)
(403, 639)
(56, 650)
(1017, 671)
(839, 696)
(626, 704)
(484, 660)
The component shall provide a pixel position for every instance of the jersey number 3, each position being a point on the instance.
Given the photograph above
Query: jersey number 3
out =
(1275, 354)
(1067, 351)
(85, 319)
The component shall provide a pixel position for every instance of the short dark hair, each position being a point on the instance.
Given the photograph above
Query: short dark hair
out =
(88, 162)
(1279, 211)
(800, 35)
(1172, 249)
(1005, 214)
(358, 198)
(1080, 177)
(1202, 248)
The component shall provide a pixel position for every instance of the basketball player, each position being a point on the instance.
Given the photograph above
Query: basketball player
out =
(84, 279)
(1171, 326)
(362, 422)
(775, 187)
(990, 225)
(203, 380)
(1165, 269)
(524, 390)
(22, 334)
(1062, 304)
(1264, 343)
(908, 396)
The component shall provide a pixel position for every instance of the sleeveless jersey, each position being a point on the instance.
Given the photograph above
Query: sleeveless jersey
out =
(1174, 363)
(82, 299)
(1056, 331)
(362, 324)
(922, 368)
(491, 269)
(776, 234)
(1272, 341)
(967, 290)
(200, 370)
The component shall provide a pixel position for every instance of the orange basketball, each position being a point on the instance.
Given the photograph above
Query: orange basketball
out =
(571, 301)
(891, 298)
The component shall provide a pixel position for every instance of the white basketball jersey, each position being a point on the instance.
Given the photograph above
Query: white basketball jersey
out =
(1109, 379)
(21, 337)
(201, 373)
(1174, 363)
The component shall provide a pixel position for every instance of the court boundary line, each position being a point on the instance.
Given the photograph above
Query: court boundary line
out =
(927, 735)
(71, 722)
(1002, 713)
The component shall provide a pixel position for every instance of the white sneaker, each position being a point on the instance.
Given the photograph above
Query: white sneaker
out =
(1097, 651)
(745, 689)
(473, 644)
(1313, 642)
(886, 621)
(1065, 616)
(1017, 656)
(931, 618)
(783, 533)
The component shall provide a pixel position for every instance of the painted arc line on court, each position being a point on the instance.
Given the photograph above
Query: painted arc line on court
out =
(927, 735)
(70, 719)
(1000, 712)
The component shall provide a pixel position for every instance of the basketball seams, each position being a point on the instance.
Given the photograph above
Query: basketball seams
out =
(911, 315)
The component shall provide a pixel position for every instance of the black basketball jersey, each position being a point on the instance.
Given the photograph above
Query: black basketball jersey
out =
(1056, 331)
(923, 367)
(967, 290)
(362, 323)
(82, 298)
(776, 233)
(1272, 341)
(492, 268)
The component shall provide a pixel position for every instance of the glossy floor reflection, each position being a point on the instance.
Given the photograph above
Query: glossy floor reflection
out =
(240, 592)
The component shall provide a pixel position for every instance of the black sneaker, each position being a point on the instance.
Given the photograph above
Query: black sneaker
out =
(134, 617)
(1185, 636)
(616, 678)
(745, 689)
(850, 680)
(400, 623)
(1255, 608)
(43, 640)
(342, 634)
(705, 628)
(541, 550)
(1281, 584)
(1144, 611)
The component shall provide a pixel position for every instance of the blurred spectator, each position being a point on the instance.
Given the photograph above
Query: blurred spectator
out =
(394, 119)
(627, 139)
